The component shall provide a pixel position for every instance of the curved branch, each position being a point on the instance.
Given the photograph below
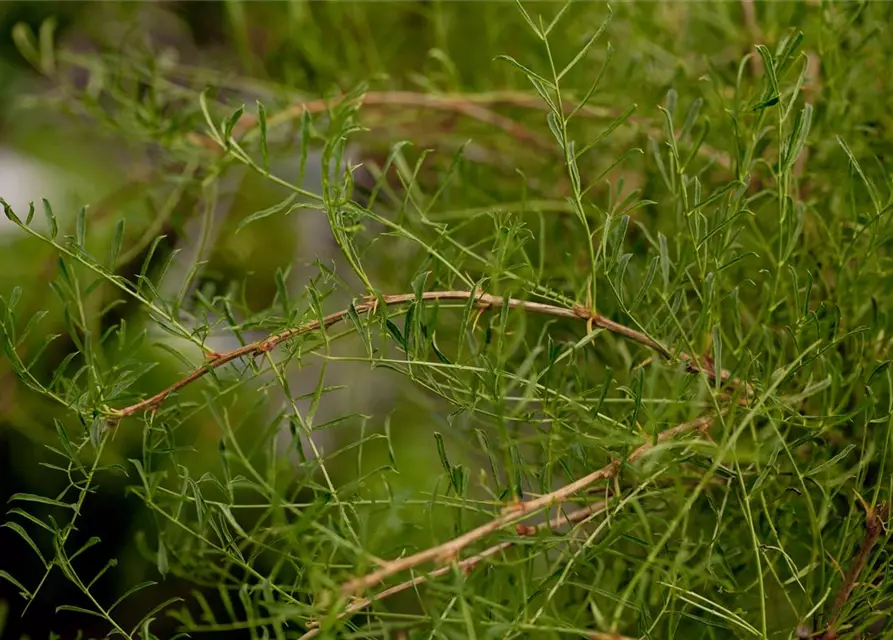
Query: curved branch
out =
(482, 300)
(466, 565)
(447, 552)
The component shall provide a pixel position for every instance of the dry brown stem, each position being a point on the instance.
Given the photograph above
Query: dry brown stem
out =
(448, 551)
(875, 519)
(466, 565)
(474, 106)
(482, 300)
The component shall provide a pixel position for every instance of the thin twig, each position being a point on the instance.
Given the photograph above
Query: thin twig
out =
(448, 551)
(482, 300)
(466, 565)
(461, 105)
(600, 635)
(874, 527)
(468, 104)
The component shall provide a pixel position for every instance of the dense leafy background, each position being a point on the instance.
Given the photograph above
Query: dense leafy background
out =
(739, 203)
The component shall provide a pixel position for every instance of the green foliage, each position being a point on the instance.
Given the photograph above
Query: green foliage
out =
(688, 227)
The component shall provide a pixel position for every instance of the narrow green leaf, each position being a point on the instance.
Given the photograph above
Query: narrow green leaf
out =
(592, 40)
(556, 19)
(209, 120)
(609, 55)
(573, 170)
(18, 585)
(395, 333)
(262, 123)
(765, 104)
(691, 117)
(872, 190)
(51, 218)
(649, 278)
(81, 227)
(438, 352)
(130, 592)
(828, 464)
(555, 128)
(144, 270)
(14, 298)
(47, 49)
(9, 212)
(797, 139)
(543, 90)
(693, 152)
(664, 259)
(305, 145)
(97, 431)
(161, 561)
(231, 122)
(285, 205)
(91, 542)
(143, 624)
(529, 21)
(769, 69)
(26, 42)
(530, 73)
(74, 609)
(441, 452)
(228, 514)
(787, 57)
(117, 243)
(713, 197)
(30, 497)
(616, 122)
(15, 511)
(15, 526)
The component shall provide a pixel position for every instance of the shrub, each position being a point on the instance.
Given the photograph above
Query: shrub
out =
(637, 355)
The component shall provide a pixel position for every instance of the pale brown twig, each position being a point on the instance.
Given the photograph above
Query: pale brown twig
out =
(482, 300)
(466, 565)
(448, 551)
(600, 635)
(460, 105)
(874, 526)
(467, 104)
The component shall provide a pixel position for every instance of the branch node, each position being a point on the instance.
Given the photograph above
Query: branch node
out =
(371, 303)
(584, 312)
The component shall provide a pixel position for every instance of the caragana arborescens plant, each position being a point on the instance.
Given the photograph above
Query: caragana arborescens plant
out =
(625, 307)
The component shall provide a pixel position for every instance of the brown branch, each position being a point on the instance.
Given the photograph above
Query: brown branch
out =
(469, 104)
(459, 105)
(874, 527)
(466, 565)
(482, 300)
(448, 551)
